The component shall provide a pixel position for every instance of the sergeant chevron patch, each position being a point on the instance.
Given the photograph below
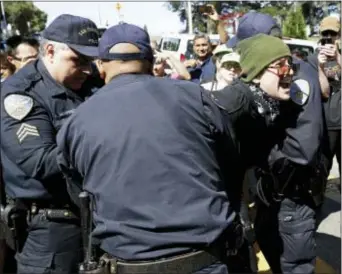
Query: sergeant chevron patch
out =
(26, 130)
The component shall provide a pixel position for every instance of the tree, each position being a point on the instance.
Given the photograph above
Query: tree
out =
(24, 16)
(294, 25)
(274, 8)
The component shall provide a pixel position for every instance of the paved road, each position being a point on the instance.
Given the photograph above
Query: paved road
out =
(329, 228)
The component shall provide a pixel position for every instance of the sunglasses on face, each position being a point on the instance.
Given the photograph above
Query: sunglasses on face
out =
(282, 69)
(329, 33)
(231, 65)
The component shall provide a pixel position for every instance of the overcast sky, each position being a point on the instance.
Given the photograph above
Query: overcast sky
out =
(154, 14)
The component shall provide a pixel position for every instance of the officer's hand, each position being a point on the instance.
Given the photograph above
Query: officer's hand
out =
(213, 15)
(190, 63)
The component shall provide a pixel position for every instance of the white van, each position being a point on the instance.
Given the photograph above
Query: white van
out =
(181, 45)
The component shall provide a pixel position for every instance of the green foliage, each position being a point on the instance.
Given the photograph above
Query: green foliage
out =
(18, 14)
(200, 22)
(294, 25)
(275, 8)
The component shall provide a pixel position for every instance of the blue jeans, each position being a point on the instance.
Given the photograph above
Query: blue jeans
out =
(50, 247)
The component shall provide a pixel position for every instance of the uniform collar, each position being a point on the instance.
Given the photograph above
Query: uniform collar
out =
(123, 79)
(55, 89)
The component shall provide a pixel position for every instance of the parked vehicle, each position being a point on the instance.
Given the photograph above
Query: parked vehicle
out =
(181, 45)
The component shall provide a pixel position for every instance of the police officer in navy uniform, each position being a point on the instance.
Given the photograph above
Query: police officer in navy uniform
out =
(292, 188)
(35, 102)
(327, 60)
(152, 153)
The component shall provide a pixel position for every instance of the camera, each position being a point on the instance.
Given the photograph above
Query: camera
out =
(205, 9)
(325, 41)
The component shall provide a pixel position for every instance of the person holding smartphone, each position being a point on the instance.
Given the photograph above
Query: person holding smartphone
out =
(328, 59)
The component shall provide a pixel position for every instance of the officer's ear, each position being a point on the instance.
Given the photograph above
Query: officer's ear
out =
(10, 59)
(99, 65)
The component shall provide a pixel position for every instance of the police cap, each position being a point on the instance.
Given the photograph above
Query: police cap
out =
(125, 33)
(78, 33)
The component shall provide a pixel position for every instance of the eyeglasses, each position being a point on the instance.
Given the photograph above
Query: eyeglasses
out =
(231, 65)
(282, 70)
(25, 59)
(329, 33)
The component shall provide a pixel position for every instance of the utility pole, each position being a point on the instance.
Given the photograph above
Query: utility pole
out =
(99, 12)
(3, 14)
(189, 17)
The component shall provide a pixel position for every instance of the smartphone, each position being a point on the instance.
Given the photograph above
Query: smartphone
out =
(205, 9)
(325, 41)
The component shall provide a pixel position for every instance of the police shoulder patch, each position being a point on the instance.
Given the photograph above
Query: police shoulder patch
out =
(300, 91)
(18, 106)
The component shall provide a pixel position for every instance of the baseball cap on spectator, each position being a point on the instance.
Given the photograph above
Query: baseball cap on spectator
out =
(80, 34)
(230, 57)
(125, 33)
(259, 51)
(330, 23)
(222, 49)
(253, 23)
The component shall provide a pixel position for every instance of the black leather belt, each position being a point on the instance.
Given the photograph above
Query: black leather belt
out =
(183, 264)
(57, 214)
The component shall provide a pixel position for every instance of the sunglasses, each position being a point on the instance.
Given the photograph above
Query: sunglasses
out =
(231, 65)
(329, 33)
(282, 69)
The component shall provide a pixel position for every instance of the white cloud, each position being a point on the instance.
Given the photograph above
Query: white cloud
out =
(154, 15)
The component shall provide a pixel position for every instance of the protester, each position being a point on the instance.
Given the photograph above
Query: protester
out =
(24, 50)
(7, 68)
(166, 61)
(227, 70)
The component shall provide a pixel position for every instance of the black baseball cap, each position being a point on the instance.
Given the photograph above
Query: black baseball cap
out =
(253, 23)
(80, 34)
(125, 33)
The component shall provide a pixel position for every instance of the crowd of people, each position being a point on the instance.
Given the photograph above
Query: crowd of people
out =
(163, 147)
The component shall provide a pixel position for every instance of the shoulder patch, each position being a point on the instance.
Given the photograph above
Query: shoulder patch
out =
(18, 106)
(300, 91)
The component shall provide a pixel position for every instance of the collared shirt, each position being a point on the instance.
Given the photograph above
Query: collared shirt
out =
(34, 107)
(204, 72)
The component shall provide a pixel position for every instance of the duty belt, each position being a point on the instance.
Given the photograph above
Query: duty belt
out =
(53, 212)
(184, 264)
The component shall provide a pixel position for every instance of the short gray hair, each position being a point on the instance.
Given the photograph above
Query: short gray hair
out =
(57, 46)
(202, 36)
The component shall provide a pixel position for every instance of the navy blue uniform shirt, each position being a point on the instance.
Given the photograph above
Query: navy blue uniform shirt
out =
(203, 73)
(153, 152)
(302, 117)
(33, 108)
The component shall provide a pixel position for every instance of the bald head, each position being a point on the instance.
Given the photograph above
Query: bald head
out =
(110, 68)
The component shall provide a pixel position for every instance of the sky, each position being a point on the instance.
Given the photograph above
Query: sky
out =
(155, 15)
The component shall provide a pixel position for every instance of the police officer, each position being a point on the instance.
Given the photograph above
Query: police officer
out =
(152, 156)
(327, 60)
(35, 102)
(285, 221)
